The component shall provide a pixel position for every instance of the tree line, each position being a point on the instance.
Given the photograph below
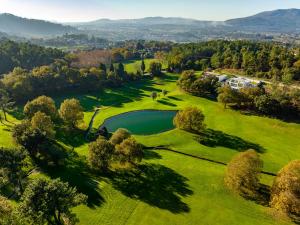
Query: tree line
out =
(257, 59)
(278, 101)
(25, 55)
(60, 77)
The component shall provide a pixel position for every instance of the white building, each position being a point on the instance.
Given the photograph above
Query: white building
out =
(237, 82)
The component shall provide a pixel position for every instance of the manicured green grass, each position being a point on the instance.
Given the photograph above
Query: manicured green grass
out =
(134, 66)
(277, 141)
(170, 188)
(5, 132)
(208, 203)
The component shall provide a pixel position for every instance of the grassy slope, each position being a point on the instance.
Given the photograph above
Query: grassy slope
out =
(178, 189)
(135, 66)
(5, 132)
(278, 140)
(198, 197)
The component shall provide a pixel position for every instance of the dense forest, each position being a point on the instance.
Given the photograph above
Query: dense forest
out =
(258, 59)
(25, 55)
(23, 85)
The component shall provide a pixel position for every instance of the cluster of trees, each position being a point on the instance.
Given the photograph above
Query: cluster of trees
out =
(276, 101)
(243, 178)
(25, 55)
(141, 49)
(37, 132)
(268, 60)
(42, 202)
(204, 86)
(121, 147)
(59, 77)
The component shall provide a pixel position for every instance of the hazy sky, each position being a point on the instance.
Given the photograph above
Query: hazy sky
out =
(86, 10)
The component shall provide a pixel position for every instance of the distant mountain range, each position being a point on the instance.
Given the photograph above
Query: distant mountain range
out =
(18, 26)
(161, 28)
(282, 20)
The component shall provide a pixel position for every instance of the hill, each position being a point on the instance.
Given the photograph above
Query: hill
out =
(14, 25)
(283, 20)
(263, 26)
(180, 29)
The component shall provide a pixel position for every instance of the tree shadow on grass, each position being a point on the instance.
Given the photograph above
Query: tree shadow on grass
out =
(73, 138)
(170, 77)
(77, 174)
(117, 97)
(129, 92)
(213, 138)
(175, 98)
(263, 195)
(155, 185)
(150, 154)
(17, 113)
(164, 102)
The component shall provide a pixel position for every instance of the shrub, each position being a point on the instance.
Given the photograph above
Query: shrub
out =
(243, 173)
(190, 119)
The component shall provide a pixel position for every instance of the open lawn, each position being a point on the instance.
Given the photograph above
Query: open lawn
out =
(170, 188)
(134, 66)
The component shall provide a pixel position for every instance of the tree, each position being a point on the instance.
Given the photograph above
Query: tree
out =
(267, 105)
(100, 154)
(71, 112)
(155, 68)
(6, 102)
(43, 123)
(120, 71)
(186, 80)
(42, 104)
(12, 162)
(228, 96)
(190, 119)
(112, 68)
(143, 67)
(205, 86)
(243, 173)
(164, 92)
(103, 67)
(50, 202)
(129, 151)
(154, 95)
(6, 210)
(285, 190)
(28, 137)
(119, 136)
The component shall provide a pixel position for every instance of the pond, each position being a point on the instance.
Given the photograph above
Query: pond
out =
(143, 122)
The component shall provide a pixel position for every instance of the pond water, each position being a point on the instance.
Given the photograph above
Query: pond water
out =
(144, 122)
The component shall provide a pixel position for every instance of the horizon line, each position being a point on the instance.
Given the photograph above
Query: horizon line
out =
(137, 18)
